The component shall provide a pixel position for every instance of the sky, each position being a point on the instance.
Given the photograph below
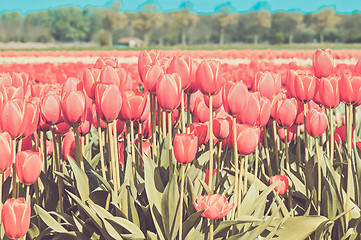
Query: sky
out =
(199, 6)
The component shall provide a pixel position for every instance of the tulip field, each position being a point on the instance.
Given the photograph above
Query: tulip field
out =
(180, 144)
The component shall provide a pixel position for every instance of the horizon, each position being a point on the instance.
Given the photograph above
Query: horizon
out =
(199, 6)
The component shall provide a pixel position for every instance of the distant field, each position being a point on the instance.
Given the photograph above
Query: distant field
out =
(239, 46)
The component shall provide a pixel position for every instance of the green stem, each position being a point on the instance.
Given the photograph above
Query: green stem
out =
(332, 141)
(78, 148)
(218, 162)
(265, 140)
(181, 202)
(184, 130)
(188, 112)
(56, 163)
(170, 144)
(210, 143)
(133, 150)
(153, 123)
(101, 144)
(27, 196)
(306, 140)
(319, 168)
(45, 151)
(245, 182)
(286, 149)
(116, 153)
(256, 155)
(235, 155)
(240, 184)
(349, 167)
(298, 150)
(211, 230)
(111, 158)
(275, 145)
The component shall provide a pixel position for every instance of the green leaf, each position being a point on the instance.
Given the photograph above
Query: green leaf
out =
(191, 222)
(48, 220)
(82, 182)
(134, 231)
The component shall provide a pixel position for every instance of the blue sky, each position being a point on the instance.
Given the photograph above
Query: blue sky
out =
(200, 6)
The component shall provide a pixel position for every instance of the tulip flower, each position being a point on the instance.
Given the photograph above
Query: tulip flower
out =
(350, 89)
(201, 131)
(305, 87)
(282, 185)
(103, 62)
(28, 166)
(68, 147)
(358, 67)
(6, 151)
(252, 109)
(152, 75)
(12, 118)
(291, 133)
(208, 77)
(169, 91)
(215, 206)
(50, 108)
(193, 87)
(222, 127)
(328, 90)
(134, 104)
(201, 111)
(39, 90)
(267, 84)
(185, 147)
(316, 122)
(247, 139)
(71, 84)
(206, 179)
(322, 63)
(147, 57)
(73, 106)
(216, 101)
(90, 78)
(286, 112)
(265, 112)
(235, 98)
(15, 216)
(31, 118)
(341, 132)
(11, 92)
(108, 101)
(183, 66)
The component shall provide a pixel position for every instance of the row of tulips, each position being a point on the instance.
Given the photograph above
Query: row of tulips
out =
(186, 108)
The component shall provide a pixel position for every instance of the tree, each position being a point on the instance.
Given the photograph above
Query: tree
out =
(148, 18)
(37, 26)
(11, 24)
(324, 19)
(183, 19)
(259, 22)
(286, 23)
(225, 17)
(111, 20)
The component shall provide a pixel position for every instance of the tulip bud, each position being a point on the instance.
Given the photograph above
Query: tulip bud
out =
(329, 93)
(251, 111)
(90, 78)
(152, 75)
(28, 166)
(235, 98)
(282, 185)
(108, 101)
(201, 131)
(358, 67)
(350, 89)
(6, 151)
(316, 122)
(68, 147)
(103, 62)
(73, 106)
(133, 106)
(286, 112)
(147, 57)
(50, 108)
(305, 87)
(185, 147)
(201, 111)
(208, 77)
(15, 216)
(181, 65)
(169, 91)
(221, 127)
(215, 206)
(216, 101)
(322, 63)
(267, 84)
(193, 87)
(247, 139)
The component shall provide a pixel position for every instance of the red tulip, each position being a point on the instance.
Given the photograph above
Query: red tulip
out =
(216, 101)
(31, 118)
(265, 112)
(183, 66)
(276, 98)
(206, 179)
(208, 77)
(201, 111)
(247, 139)
(39, 90)
(328, 90)
(215, 206)
(71, 84)
(235, 98)
(28, 166)
(185, 147)
(87, 121)
(152, 75)
(221, 127)
(358, 67)
(103, 62)
(169, 91)
(147, 57)
(90, 78)
(358, 144)
(282, 185)
(12, 118)
(350, 88)
(267, 84)
(62, 128)
(68, 147)
(286, 112)
(300, 118)
(201, 131)
(322, 63)
(133, 106)
(108, 101)
(27, 143)
(341, 132)
(305, 87)
(193, 87)
(6, 151)
(251, 111)
(73, 106)
(11, 92)
(316, 122)
(291, 133)
(50, 108)
(117, 76)
(15, 215)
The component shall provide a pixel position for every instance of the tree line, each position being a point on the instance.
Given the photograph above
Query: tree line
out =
(182, 26)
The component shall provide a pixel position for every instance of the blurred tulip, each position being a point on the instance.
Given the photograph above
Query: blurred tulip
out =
(215, 206)
(328, 90)
(185, 147)
(221, 127)
(68, 147)
(169, 91)
(193, 87)
(206, 179)
(103, 62)
(286, 112)
(267, 84)
(50, 108)
(282, 185)
(216, 101)
(208, 77)
(71, 84)
(300, 118)
(31, 118)
(73, 106)
(358, 67)
(201, 111)
(247, 139)
(201, 131)
(316, 122)
(108, 101)
(90, 78)
(12, 118)
(15, 216)
(62, 128)
(350, 89)
(28, 166)
(322, 63)
(235, 98)
(6, 151)
(265, 112)
(291, 133)
(133, 106)
(341, 132)
(117, 76)
(39, 90)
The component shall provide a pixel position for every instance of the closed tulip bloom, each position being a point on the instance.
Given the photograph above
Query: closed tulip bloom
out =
(71, 84)
(265, 112)
(11, 92)
(39, 90)
(222, 127)
(350, 88)
(201, 131)
(147, 57)
(316, 122)
(291, 133)
(305, 87)
(146, 112)
(286, 112)
(152, 75)
(6, 151)
(282, 185)
(31, 118)
(103, 62)
(201, 111)
(208, 77)
(108, 101)
(267, 84)
(329, 93)
(90, 78)
(117, 76)
(73, 106)
(193, 87)
(215, 206)
(216, 101)
(87, 121)
(62, 128)
(276, 98)
(12, 118)
(183, 66)
(206, 179)
(15, 216)
(28, 166)
(300, 118)
(169, 91)
(247, 139)
(341, 132)
(68, 147)
(185, 147)
(50, 108)
(322, 63)
(133, 105)
(251, 111)
(235, 98)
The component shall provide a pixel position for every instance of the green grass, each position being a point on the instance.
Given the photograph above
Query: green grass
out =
(211, 47)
